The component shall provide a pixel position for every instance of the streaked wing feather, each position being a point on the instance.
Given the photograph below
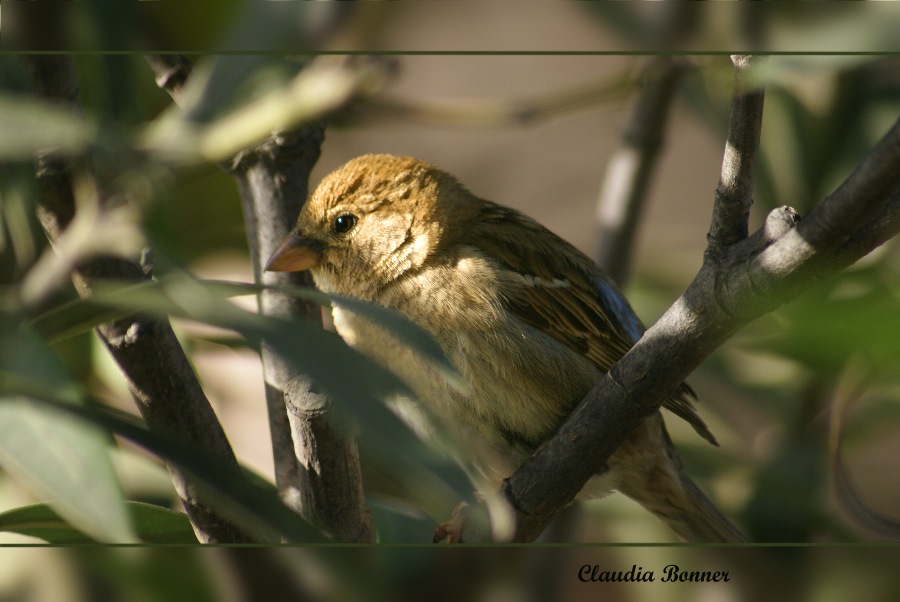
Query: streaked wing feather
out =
(569, 311)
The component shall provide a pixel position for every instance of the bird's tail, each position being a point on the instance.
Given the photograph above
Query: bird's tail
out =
(660, 486)
(689, 513)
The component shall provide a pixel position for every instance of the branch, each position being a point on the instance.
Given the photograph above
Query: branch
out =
(159, 374)
(171, 71)
(736, 284)
(734, 192)
(624, 188)
(316, 465)
(837, 225)
(883, 225)
(273, 181)
(494, 113)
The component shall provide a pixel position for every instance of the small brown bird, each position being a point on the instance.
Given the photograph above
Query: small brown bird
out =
(528, 320)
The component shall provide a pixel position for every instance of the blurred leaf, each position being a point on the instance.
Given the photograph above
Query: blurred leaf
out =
(29, 126)
(154, 524)
(222, 83)
(59, 459)
(786, 68)
(844, 28)
(20, 236)
(854, 313)
(198, 218)
(353, 382)
(325, 85)
(108, 86)
(152, 574)
(395, 523)
(784, 505)
(400, 326)
(73, 318)
(170, 297)
(247, 499)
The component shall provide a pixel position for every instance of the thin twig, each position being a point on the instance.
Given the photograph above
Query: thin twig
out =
(495, 113)
(628, 175)
(734, 194)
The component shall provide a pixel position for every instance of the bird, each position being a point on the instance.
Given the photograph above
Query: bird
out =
(526, 319)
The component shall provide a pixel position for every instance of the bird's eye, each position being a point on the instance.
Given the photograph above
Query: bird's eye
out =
(344, 223)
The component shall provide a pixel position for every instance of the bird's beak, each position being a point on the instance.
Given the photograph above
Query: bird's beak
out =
(295, 254)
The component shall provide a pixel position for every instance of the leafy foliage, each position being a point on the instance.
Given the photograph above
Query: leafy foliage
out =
(770, 391)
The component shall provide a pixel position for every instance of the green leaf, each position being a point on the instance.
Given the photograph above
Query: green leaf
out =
(856, 312)
(350, 380)
(154, 524)
(398, 324)
(59, 459)
(72, 319)
(29, 125)
(323, 86)
(114, 302)
(246, 499)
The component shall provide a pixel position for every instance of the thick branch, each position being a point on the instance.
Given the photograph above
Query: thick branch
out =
(734, 194)
(159, 374)
(316, 465)
(273, 183)
(627, 179)
(172, 72)
(883, 225)
(837, 217)
(735, 285)
(842, 217)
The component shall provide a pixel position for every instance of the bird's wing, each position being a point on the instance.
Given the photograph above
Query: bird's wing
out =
(555, 288)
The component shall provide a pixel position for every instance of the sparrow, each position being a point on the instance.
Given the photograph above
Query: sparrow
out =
(527, 320)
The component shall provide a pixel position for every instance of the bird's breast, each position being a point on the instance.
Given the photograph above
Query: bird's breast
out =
(522, 381)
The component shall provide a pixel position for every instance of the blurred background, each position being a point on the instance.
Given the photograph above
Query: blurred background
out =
(805, 401)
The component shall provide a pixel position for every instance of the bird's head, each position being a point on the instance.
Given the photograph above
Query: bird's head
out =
(370, 221)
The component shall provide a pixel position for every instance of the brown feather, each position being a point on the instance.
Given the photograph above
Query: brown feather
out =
(575, 313)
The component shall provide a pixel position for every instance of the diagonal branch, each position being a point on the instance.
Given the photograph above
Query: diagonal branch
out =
(159, 374)
(843, 216)
(881, 226)
(735, 285)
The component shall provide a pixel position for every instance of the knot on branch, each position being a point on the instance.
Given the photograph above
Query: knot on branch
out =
(304, 400)
(281, 148)
(119, 338)
(738, 293)
(778, 223)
